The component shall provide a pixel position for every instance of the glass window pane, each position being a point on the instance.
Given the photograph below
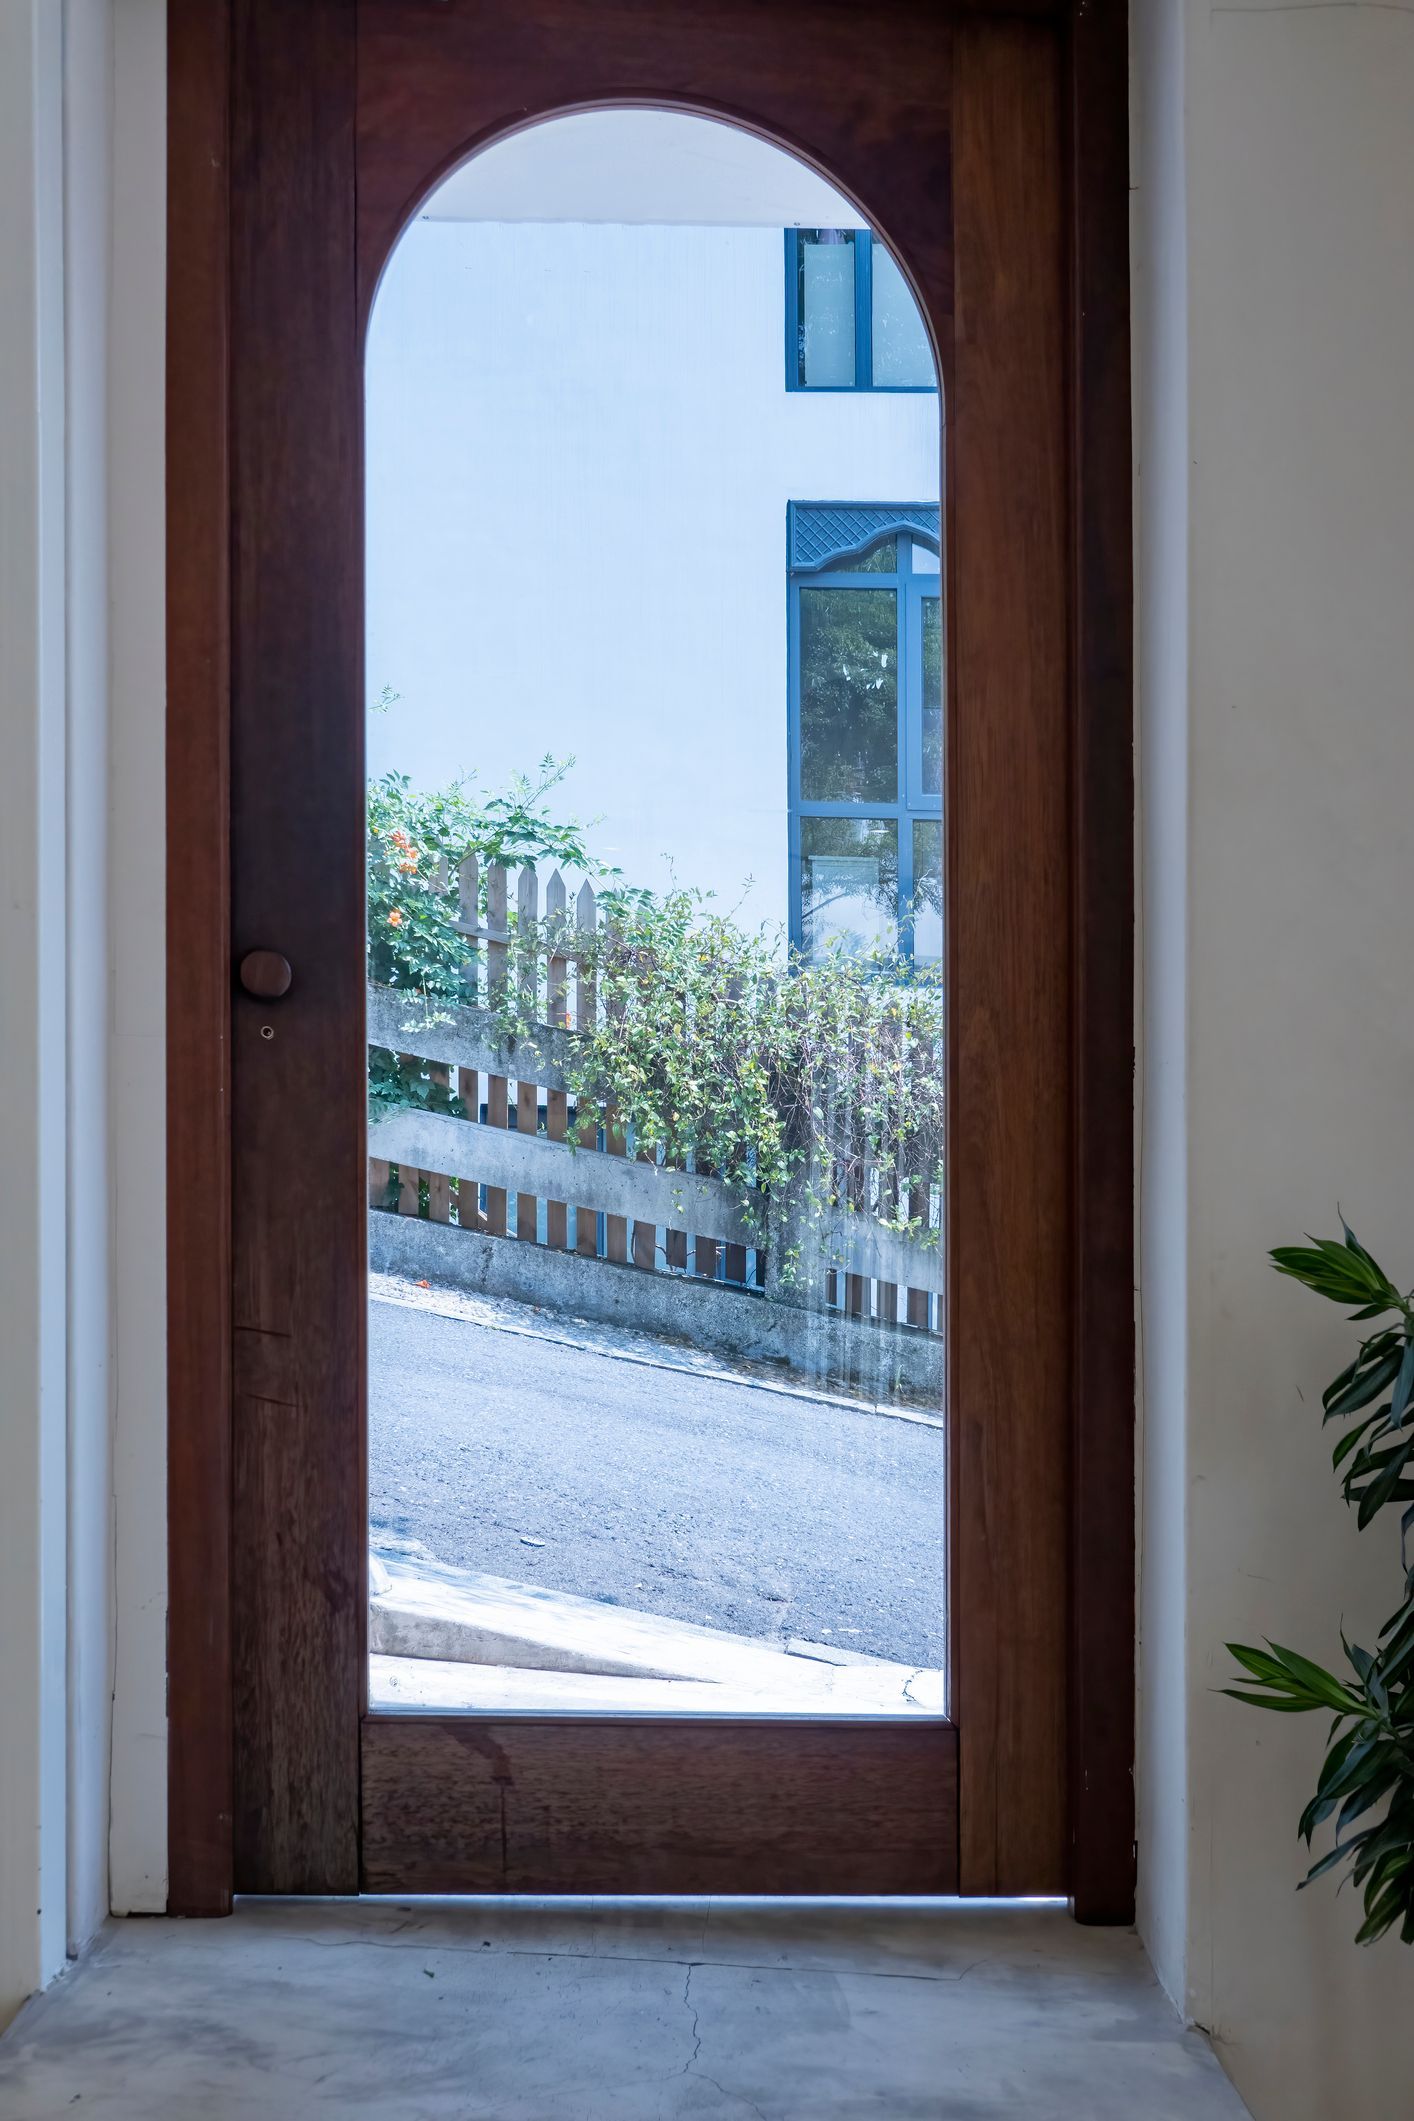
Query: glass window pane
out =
(925, 560)
(879, 559)
(848, 883)
(902, 354)
(932, 696)
(827, 308)
(928, 890)
(848, 695)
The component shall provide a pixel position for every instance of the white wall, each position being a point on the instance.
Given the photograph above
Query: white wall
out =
(640, 165)
(580, 451)
(82, 1321)
(1276, 350)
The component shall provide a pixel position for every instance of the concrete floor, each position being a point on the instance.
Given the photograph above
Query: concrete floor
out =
(610, 2011)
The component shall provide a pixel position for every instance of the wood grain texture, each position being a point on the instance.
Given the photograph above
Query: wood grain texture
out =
(459, 1804)
(860, 92)
(864, 95)
(297, 887)
(883, 100)
(1008, 809)
(1102, 1478)
(200, 1769)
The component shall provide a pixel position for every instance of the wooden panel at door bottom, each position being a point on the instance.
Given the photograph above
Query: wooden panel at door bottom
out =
(465, 1805)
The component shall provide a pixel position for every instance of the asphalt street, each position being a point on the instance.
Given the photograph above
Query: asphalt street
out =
(699, 1498)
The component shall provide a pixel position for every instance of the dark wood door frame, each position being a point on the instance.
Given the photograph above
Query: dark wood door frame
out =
(1099, 799)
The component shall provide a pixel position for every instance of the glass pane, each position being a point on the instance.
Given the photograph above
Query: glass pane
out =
(848, 695)
(902, 355)
(932, 696)
(880, 559)
(642, 1298)
(927, 890)
(848, 883)
(925, 560)
(827, 308)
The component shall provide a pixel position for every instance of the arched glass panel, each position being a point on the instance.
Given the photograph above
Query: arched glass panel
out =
(654, 941)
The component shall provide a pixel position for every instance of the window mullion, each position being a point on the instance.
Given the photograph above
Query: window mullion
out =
(863, 309)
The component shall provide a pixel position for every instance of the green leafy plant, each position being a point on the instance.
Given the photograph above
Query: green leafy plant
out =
(1370, 1751)
(775, 1072)
(416, 843)
(711, 1043)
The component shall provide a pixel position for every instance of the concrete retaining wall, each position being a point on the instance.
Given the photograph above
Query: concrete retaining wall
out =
(881, 1362)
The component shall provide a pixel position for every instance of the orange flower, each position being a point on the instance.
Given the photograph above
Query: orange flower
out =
(395, 919)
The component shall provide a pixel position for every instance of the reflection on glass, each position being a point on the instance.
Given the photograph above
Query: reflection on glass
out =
(879, 559)
(848, 695)
(927, 890)
(932, 696)
(903, 358)
(703, 1550)
(848, 883)
(827, 308)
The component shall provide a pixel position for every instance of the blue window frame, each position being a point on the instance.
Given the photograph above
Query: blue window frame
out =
(865, 726)
(851, 321)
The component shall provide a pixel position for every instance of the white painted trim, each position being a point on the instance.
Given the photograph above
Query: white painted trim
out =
(88, 150)
(33, 1149)
(1161, 624)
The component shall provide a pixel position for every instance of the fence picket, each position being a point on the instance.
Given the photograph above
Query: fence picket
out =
(468, 920)
(528, 983)
(850, 1250)
(468, 1079)
(857, 1287)
(439, 1186)
(918, 1307)
(556, 1102)
(497, 1109)
(645, 1235)
(615, 1144)
(734, 1256)
(586, 920)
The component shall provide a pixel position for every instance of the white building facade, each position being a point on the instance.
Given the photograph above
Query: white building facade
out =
(586, 441)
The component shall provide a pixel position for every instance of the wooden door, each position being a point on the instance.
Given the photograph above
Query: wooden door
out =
(950, 129)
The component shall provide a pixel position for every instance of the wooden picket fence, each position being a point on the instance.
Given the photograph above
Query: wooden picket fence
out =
(509, 1168)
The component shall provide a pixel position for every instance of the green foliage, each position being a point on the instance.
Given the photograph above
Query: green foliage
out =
(1370, 1755)
(417, 842)
(711, 1042)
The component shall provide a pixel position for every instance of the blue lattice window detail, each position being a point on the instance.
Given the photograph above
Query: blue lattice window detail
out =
(823, 533)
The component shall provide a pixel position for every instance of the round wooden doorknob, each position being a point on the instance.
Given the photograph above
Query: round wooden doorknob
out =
(265, 974)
